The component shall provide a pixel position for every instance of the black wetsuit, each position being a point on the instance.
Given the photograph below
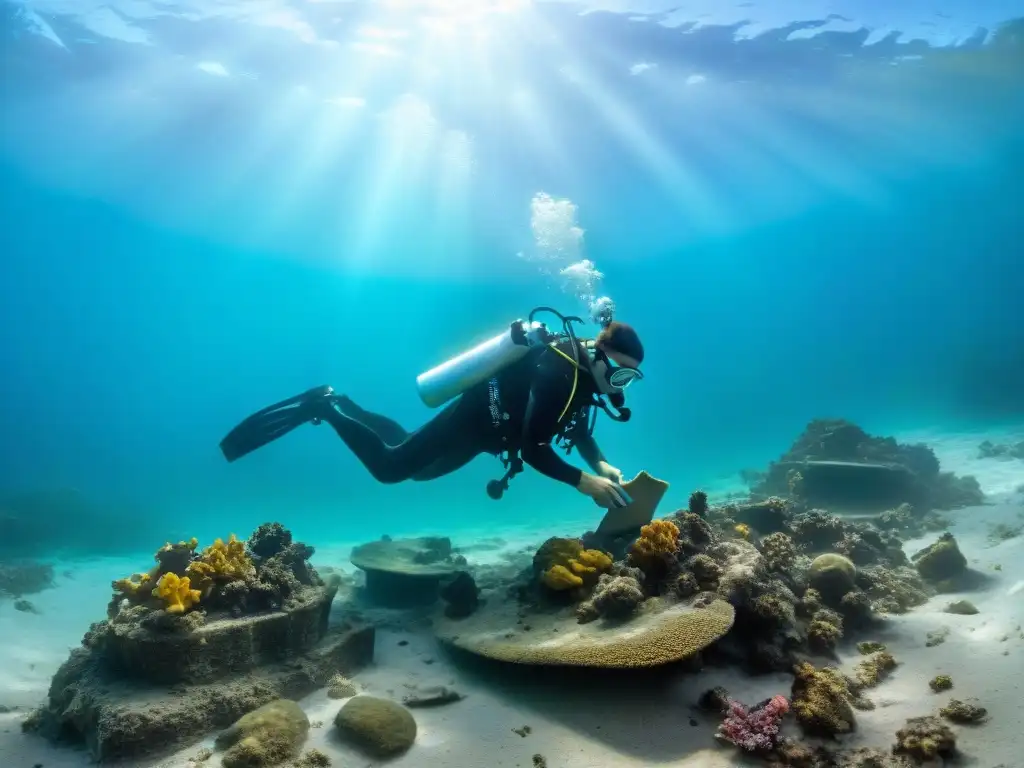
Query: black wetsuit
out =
(533, 392)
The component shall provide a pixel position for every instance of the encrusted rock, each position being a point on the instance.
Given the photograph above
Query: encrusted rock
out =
(121, 719)
(379, 727)
(264, 737)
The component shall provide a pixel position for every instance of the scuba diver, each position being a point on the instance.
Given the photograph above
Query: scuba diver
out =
(511, 397)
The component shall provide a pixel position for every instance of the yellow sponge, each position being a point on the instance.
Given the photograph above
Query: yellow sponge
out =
(177, 593)
(559, 578)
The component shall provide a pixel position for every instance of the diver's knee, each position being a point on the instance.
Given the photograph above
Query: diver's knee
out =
(390, 475)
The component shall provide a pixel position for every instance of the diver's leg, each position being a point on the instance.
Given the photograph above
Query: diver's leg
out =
(448, 464)
(449, 433)
(390, 431)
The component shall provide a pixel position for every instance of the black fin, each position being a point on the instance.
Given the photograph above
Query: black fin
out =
(270, 423)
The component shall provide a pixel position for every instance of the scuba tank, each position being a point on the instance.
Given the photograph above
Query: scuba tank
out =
(454, 376)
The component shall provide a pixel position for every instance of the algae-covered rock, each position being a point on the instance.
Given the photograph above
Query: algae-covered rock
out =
(873, 670)
(942, 560)
(380, 727)
(869, 646)
(940, 683)
(894, 590)
(821, 701)
(963, 713)
(961, 608)
(925, 738)
(824, 631)
(264, 737)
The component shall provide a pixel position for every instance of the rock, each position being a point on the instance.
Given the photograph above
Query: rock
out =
(432, 696)
(941, 561)
(124, 719)
(961, 608)
(264, 737)
(461, 596)
(380, 727)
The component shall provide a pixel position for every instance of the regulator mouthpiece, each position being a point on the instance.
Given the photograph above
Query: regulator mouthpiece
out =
(602, 311)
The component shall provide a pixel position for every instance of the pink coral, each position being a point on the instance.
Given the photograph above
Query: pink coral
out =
(754, 730)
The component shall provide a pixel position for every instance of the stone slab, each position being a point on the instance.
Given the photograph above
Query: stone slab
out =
(223, 646)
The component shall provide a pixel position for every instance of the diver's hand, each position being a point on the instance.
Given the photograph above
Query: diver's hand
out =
(603, 491)
(606, 470)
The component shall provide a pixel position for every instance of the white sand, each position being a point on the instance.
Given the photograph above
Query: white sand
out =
(999, 478)
(581, 721)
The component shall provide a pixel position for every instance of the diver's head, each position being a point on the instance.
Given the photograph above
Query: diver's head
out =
(616, 355)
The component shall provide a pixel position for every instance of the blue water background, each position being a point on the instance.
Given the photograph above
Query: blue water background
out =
(835, 235)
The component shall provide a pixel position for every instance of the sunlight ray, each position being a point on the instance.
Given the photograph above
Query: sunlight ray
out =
(244, 164)
(680, 184)
(805, 155)
(330, 127)
(402, 149)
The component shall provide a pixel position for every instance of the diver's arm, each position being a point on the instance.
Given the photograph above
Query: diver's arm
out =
(549, 393)
(587, 446)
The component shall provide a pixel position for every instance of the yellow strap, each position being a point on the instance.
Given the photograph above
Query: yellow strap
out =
(575, 378)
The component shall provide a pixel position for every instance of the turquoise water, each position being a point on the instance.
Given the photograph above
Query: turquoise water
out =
(228, 211)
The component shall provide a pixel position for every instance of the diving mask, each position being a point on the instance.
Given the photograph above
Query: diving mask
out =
(612, 377)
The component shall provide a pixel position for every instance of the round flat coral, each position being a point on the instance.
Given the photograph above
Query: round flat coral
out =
(660, 633)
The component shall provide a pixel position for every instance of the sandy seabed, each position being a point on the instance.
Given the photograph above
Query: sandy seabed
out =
(625, 720)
